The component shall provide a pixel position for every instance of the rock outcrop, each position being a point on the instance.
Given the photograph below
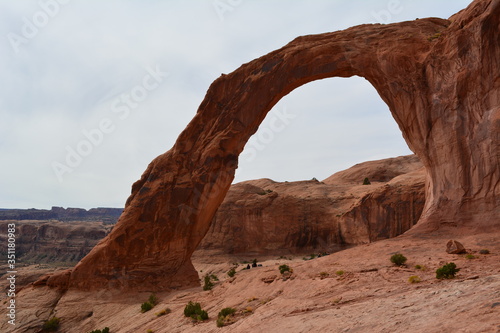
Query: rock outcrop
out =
(440, 80)
(264, 217)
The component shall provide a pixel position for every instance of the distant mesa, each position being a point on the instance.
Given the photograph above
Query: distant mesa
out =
(106, 215)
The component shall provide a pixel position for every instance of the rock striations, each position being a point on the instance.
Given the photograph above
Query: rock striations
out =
(440, 80)
(263, 217)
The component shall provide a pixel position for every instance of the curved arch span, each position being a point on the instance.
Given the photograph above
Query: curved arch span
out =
(431, 85)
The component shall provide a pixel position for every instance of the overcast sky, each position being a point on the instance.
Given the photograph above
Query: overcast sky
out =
(92, 91)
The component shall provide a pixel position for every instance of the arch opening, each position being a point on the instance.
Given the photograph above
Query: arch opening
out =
(320, 128)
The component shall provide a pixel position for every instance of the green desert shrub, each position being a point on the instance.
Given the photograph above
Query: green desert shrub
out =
(208, 284)
(194, 311)
(224, 315)
(284, 268)
(146, 306)
(366, 181)
(398, 259)
(231, 272)
(226, 312)
(51, 325)
(153, 299)
(470, 256)
(448, 271)
(339, 273)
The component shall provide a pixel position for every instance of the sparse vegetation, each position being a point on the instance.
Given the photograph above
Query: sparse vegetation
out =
(484, 251)
(248, 309)
(284, 268)
(220, 322)
(324, 275)
(208, 284)
(252, 299)
(163, 312)
(231, 272)
(226, 312)
(146, 306)
(398, 259)
(283, 257)
(104, 330)
(448, 271)
(435, 36)
(194, 311)
(470, 256)
(152, 301)
(366, 181)
(51, 325)
(414, 279)
(421, 267)
(339, 273)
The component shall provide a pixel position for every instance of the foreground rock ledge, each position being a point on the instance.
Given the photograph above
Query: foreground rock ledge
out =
(438, 77)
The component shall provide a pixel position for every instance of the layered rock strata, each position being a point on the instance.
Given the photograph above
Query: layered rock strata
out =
(264, 217)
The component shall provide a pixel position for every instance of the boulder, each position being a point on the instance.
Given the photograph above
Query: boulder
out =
(455, 247)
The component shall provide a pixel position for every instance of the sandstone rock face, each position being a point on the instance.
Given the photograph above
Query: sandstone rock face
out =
(439, 78)
(263, 217)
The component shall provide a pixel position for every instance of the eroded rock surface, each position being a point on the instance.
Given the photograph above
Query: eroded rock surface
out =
(440, 80)
(264, 217)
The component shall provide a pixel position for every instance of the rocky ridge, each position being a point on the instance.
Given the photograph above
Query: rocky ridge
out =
(263, 217)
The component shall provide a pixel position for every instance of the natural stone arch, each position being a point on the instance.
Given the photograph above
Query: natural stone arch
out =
(439, 79)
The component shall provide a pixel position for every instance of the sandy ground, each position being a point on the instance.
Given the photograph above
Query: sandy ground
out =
(372, 295)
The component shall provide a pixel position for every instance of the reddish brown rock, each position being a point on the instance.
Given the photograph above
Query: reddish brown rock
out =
(455, 247)
(263, 217)
(440, 80)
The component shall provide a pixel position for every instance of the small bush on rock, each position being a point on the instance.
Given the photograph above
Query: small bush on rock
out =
(194, 311)
(208, 284)
(448, 271)
(146, 306)
(224, 315)
(414, 279)
(231, 272)
(51, 325)
(398, 259)
(284, 268)
(153, 299)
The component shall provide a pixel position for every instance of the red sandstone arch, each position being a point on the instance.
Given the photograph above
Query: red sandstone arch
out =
(438, 77)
